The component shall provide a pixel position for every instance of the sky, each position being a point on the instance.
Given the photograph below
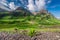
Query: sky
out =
(52, 6)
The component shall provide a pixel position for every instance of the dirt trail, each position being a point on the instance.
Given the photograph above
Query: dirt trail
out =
(38, 36)
(47, 36)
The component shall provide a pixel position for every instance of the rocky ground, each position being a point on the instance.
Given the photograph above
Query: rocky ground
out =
(38, 36)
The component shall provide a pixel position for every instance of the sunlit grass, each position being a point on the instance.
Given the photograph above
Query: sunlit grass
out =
(29, 29)
(38, 23)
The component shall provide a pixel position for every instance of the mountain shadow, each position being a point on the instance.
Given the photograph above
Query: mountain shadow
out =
(20, 11)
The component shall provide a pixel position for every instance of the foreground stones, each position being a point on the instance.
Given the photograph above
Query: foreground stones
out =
(47, 36)
(38, 36)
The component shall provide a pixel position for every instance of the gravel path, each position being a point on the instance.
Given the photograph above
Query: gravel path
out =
(38, 36)
(47, 36)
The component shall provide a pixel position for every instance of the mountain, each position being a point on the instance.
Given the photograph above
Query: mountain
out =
(23, 15)
(2, 10)
(22, 12)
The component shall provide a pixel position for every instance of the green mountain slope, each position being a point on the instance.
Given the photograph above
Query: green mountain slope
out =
(22, 18)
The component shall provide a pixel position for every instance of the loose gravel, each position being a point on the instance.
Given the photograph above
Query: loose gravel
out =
(38, 36)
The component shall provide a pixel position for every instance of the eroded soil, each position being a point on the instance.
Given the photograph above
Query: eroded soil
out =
(38, 36)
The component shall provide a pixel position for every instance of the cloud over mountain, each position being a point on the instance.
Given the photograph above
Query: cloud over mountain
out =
(32, 5)
(12, 6)
(4, 4)
(36, 5)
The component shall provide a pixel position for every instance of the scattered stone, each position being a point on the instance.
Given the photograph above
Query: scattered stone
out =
(39, 36)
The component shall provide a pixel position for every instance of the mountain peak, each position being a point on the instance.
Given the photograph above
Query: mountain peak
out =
(40, 12)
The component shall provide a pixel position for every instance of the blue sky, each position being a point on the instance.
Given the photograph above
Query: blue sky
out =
(54, 8)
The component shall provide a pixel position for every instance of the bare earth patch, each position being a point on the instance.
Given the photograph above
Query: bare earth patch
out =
(38, 36)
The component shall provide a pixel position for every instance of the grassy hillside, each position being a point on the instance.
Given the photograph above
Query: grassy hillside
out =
(25, 20)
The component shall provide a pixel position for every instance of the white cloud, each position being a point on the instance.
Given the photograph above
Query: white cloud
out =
(12, 6)
(49, 1)
(3, 4)
(30, 5)
(58, 17)
(39, 4)
(3, 7)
